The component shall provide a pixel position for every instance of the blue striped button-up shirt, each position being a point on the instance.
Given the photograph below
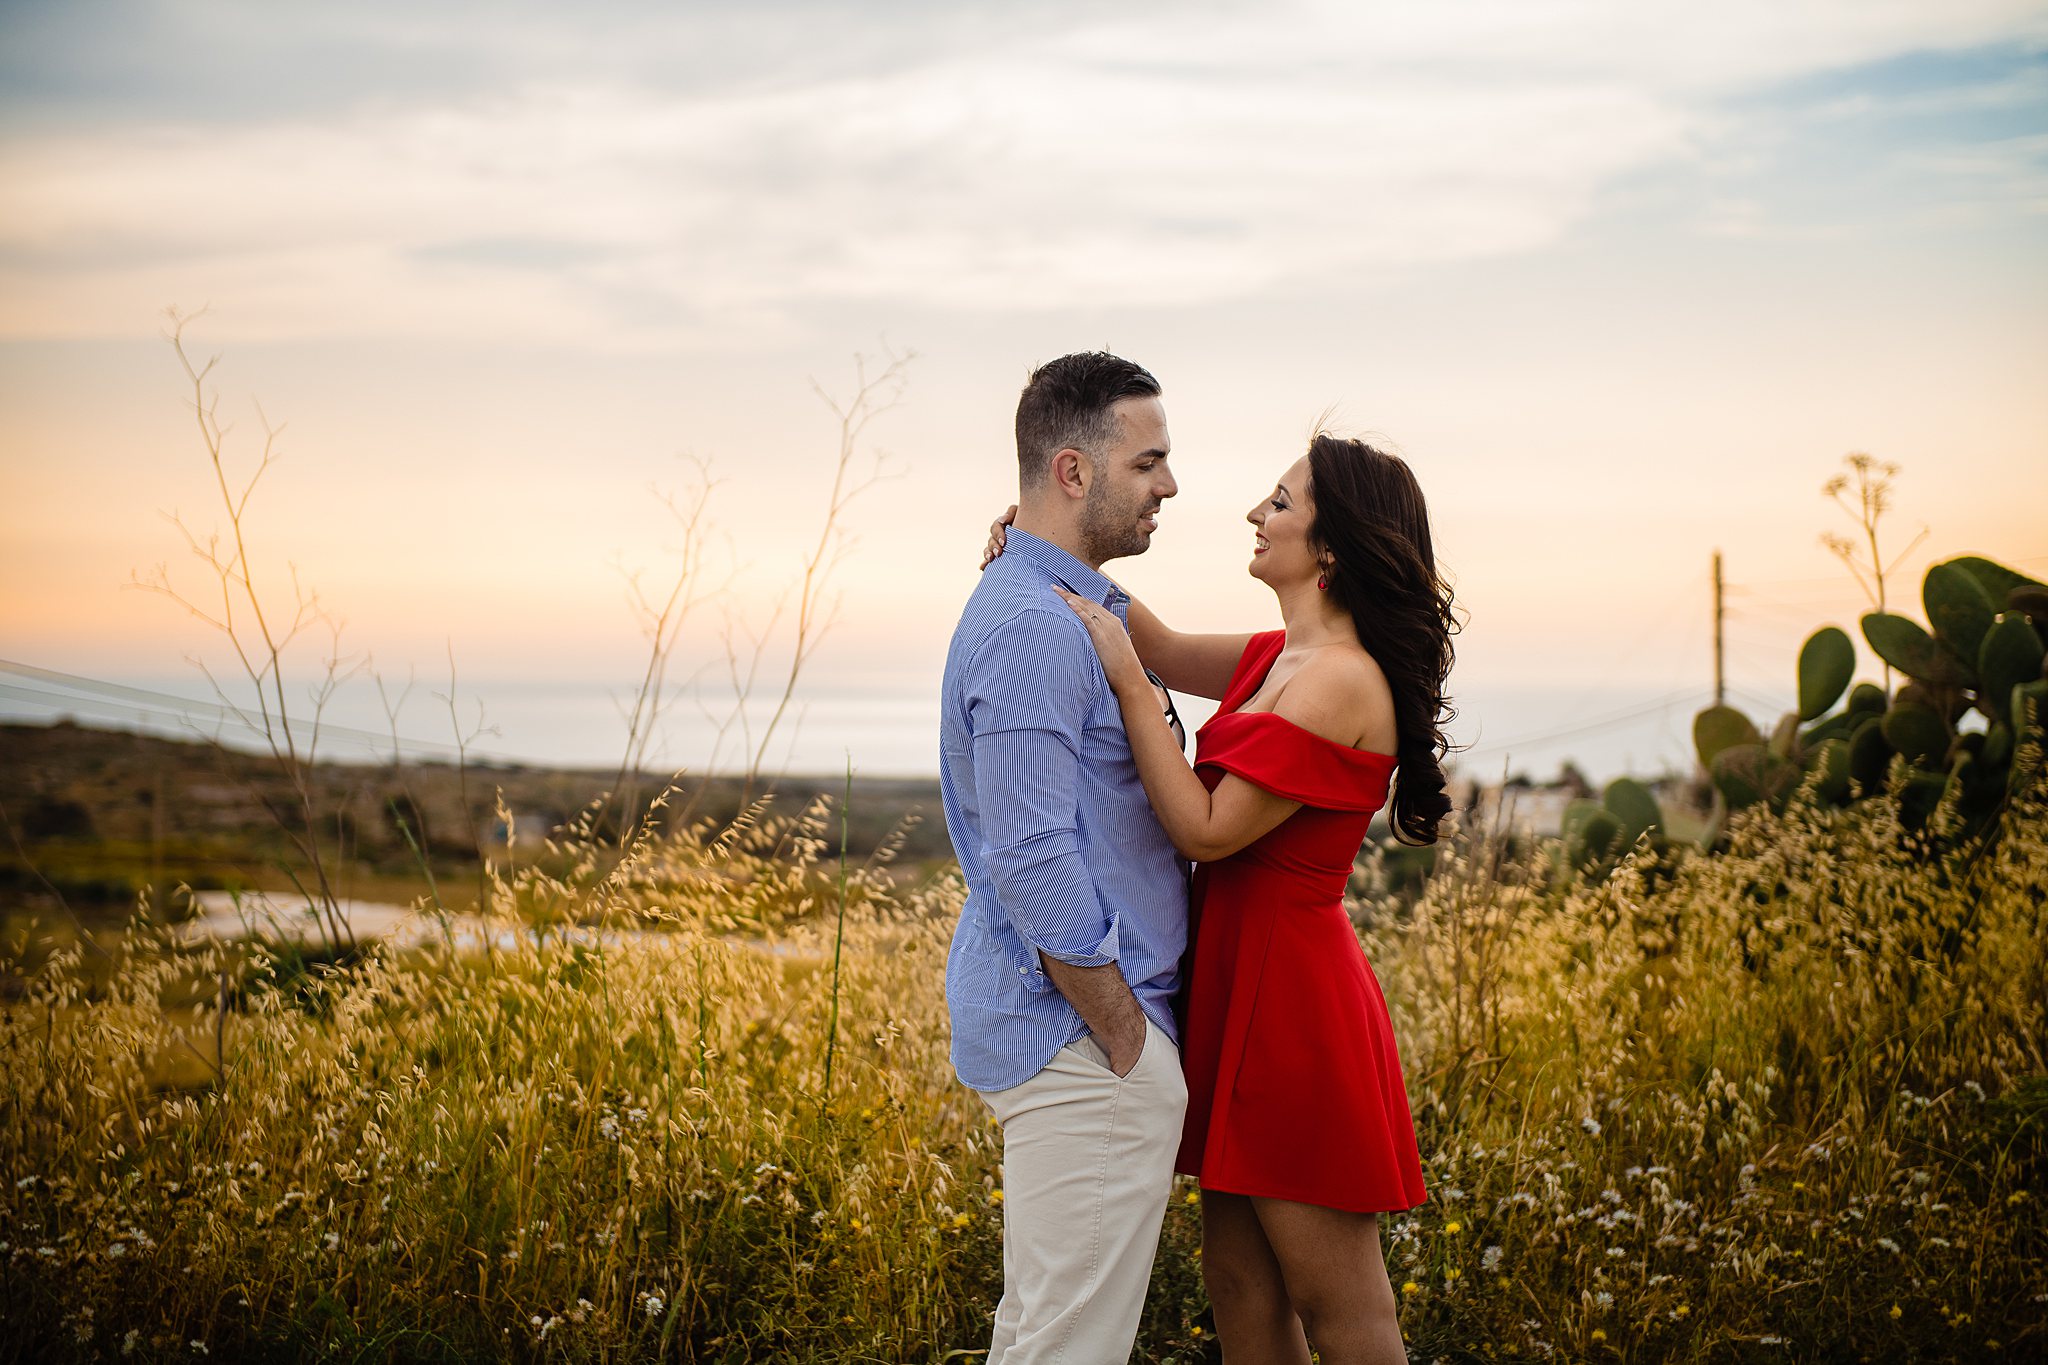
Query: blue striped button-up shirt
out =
(1060, 848)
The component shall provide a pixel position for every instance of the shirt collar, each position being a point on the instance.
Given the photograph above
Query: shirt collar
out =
(1069, 572)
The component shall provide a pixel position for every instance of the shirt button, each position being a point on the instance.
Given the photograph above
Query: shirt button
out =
(1023, 971)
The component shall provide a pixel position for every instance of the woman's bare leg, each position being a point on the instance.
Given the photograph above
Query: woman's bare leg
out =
(1336, 1281)
(1255, 1319)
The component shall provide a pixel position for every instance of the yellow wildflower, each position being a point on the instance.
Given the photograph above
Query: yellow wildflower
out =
(995, 1196)
(1411, 1288)
(1599, 1335)
(961, 1220)
(1194, 1197)
(1454, 1226)
(1196, 1330)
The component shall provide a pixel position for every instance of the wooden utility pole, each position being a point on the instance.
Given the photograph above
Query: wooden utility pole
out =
(1720, 676)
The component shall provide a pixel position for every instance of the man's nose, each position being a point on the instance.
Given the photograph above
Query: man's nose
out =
(1167, 486)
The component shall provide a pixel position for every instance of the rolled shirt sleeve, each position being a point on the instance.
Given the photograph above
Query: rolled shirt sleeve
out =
(1029, 692)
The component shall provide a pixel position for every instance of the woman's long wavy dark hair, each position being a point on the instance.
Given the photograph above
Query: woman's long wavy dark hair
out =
(1371, 520)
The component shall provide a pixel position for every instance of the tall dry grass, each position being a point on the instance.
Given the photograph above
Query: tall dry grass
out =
(1780, 1103)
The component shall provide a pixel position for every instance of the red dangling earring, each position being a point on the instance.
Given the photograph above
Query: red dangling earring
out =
(1323, 581)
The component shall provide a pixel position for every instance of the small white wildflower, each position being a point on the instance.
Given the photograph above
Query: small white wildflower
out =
(1490, 1258)
(652, 1305)
(129, 1342)
(1888, 1244)
(26, 1181)
(1591, 1125)
(1603, 1300)
(333, 1241)
(1616, 1251)
(199, 1347)
(1770, 1341)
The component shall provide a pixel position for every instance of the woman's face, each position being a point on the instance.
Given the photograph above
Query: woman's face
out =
(1281, 553)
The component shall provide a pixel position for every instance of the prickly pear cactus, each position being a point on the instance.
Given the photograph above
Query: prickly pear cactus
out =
(1826, 664)
(1964, 729)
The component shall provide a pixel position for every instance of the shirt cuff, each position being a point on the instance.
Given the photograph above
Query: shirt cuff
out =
(1101, 953)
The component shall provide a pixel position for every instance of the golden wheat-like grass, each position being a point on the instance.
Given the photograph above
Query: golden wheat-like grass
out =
(1784, 1102)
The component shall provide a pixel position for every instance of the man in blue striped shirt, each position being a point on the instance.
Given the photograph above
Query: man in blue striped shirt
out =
(1062, 969)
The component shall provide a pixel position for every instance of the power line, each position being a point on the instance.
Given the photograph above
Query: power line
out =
(139, 703)
(1613, 720)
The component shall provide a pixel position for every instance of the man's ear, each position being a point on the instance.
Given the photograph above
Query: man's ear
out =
(1071, 471)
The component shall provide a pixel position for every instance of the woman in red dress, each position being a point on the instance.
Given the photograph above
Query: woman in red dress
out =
(1298, 1125)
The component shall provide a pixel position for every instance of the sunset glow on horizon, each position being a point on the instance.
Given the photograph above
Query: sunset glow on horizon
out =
(1622, 282)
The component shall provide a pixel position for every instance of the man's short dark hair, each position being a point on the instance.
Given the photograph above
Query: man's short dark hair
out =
(1068, 403)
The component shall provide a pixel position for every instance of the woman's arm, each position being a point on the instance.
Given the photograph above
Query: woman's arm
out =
(1198, 664)
(1202, 825)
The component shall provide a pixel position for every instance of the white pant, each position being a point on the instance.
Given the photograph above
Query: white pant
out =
(1087, 1167)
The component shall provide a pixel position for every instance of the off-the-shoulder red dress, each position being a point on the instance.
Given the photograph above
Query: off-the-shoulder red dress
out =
(1294, 1083)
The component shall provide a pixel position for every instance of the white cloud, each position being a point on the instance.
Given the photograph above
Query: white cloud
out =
(1118, 164)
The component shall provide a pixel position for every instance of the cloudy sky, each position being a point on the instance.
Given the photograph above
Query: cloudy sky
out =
(1623, 281)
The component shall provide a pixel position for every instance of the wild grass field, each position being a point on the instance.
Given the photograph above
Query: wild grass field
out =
(1785, 1102)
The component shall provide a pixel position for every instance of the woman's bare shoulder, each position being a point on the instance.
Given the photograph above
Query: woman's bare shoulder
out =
(1340, 693)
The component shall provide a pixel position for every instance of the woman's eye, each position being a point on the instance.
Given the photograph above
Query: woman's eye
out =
(1279, 506)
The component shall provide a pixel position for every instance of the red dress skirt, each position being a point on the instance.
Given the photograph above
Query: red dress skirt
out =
(1294, 1083)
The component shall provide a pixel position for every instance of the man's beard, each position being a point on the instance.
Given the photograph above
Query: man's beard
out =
(1111, 531)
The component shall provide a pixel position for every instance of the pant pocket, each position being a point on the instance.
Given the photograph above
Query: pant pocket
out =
(1088, 1049)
